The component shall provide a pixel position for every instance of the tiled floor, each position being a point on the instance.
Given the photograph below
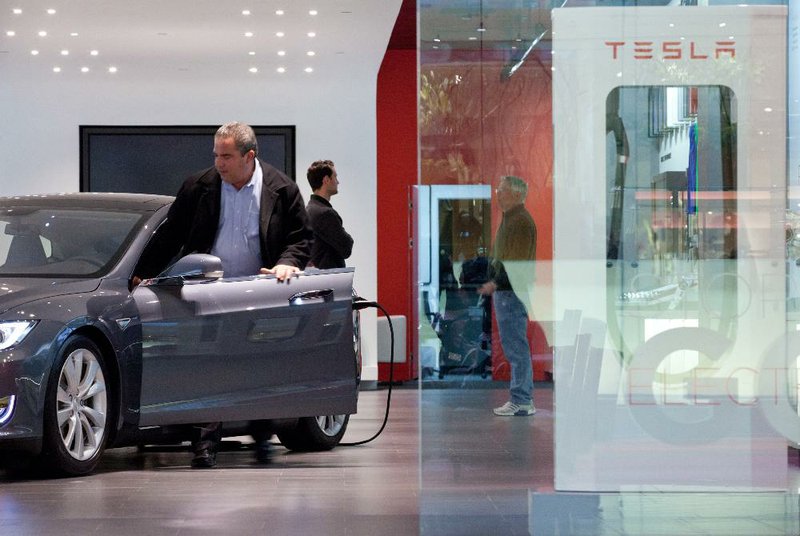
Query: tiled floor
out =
(444, 465)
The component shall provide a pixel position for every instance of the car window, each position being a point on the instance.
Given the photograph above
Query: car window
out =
(62, 242)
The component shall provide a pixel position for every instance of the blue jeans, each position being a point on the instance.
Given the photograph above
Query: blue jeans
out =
(512, 321)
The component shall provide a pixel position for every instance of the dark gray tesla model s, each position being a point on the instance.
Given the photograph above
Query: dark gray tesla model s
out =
(87, 362)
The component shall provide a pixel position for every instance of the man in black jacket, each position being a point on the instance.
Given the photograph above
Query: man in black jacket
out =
(332, 244)
(248, 214)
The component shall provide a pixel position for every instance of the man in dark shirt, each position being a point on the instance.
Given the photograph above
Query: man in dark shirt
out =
(510, 274)
(332, 244)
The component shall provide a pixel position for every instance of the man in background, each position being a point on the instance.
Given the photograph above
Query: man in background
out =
(332, 244)
(510, 275)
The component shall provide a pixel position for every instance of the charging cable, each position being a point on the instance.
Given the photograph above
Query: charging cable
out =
(360, 303)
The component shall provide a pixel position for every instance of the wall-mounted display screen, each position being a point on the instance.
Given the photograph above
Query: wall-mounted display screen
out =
(157, 159)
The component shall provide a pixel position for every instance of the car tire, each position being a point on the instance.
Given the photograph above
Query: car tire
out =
(312, 434)
(78, 409)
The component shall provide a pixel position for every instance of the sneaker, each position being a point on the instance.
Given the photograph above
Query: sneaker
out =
(509, 409)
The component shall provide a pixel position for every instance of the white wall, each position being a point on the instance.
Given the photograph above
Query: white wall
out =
(333, 110)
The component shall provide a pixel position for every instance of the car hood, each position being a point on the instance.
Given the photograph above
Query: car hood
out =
(16, 291)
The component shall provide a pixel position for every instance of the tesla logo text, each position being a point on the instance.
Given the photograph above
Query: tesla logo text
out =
(672, 50)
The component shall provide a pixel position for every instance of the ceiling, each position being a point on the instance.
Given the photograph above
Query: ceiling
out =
(205, 37)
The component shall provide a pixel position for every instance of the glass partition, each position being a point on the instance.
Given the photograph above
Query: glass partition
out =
(663, 302)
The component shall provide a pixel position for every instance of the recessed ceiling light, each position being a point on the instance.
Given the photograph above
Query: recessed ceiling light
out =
(112, 69)
(34, 52)
(56, 69)
(436, 47)
(84, 69)
(280, 34)
(94, 53)
(51, 11)
(279, 12)
(65, 52)
(281, 69)
(311, 34)
(248, 34)
(74, 34)
(42, 34)
(253, 69)
(312, 12)
(722, 24)
(473, 38)
(308, 70)
(11, 33)
(17, 11)
(281, 53)
(245, 12)
(251, 53)
(311, 53)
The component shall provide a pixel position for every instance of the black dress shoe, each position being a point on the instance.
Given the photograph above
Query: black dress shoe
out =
(263, 452)
(204, 459)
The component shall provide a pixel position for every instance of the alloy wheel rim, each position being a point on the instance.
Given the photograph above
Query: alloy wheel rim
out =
(81, 404)
(330, 425)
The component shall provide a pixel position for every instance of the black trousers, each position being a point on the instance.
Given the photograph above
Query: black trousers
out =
(209, 435)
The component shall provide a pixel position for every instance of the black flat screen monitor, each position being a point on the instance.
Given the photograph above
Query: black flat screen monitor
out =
(157, 159)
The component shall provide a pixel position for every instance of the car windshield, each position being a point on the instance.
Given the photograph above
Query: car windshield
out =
(50, 242)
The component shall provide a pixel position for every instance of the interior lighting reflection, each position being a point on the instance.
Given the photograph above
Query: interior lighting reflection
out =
(768, 109)
(279, 34)
(16, 11)
(251, 53)
(84, 70)
(279, 12)
(74, 34)
(312, 12)
(56, 69)
(245, 12)
(248, 34)
(94, 53)
(253, 69)
(308, 70)
(311, 53)
(312, 34)
(42, 33)
(51, 11)
(281, 53)
(11, 33)
(65, 52)
(112, 69)
(281, 70)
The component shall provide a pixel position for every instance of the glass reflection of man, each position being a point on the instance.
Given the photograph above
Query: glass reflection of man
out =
(510, 274)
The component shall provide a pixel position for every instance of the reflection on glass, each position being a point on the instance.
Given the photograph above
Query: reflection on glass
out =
(672, 216)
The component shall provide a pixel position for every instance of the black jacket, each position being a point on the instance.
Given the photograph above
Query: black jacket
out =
(193, 218)
(332, 244)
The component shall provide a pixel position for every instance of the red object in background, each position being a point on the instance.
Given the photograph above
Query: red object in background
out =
(397, 172)
(541, 354)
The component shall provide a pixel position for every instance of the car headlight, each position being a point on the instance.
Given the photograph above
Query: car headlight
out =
(13, 332)
(6, 408)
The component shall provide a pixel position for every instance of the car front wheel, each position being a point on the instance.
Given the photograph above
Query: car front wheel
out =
(315, 433)
(77, 413)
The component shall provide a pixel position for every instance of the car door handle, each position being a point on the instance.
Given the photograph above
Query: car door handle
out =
(312, 296)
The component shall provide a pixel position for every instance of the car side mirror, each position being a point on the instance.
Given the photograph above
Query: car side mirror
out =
(193, 267)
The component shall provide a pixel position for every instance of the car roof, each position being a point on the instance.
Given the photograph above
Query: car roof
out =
(91, 200)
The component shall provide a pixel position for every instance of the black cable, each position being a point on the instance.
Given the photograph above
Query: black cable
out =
(359, 303)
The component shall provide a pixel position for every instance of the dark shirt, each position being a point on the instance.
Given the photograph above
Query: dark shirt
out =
(515, 241)
(332, 244)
